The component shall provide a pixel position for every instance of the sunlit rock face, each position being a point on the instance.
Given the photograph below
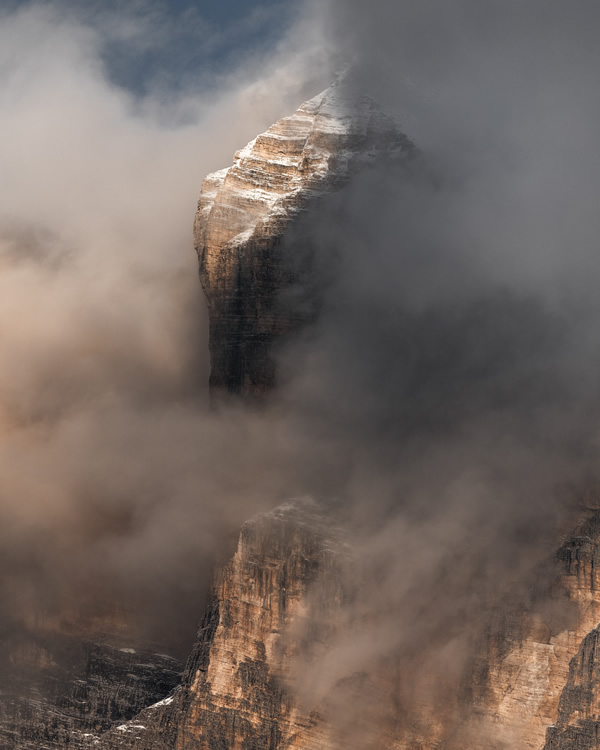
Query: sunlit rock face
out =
(239, 684)
(276, 601)
(578, 723)
(262, 656)
(244, 211)
(576, 720)
(535, 654)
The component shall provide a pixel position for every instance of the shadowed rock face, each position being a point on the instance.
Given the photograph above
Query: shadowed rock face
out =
(577, 725)
(63, 691)
(244, 211)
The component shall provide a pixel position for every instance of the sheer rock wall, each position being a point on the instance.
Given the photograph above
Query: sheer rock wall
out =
(244, 211)
(62, 690)
(237, 689)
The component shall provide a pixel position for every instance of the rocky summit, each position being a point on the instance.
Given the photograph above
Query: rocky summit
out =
(244, 211)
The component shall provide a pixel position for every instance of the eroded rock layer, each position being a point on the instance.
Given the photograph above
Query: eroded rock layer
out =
(530, 657)
(273, 603)
(60, 690)
(244, 211)
(282, 602)
(578, 724)
(531, 684)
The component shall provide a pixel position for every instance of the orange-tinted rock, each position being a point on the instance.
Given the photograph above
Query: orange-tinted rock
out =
(238, 689)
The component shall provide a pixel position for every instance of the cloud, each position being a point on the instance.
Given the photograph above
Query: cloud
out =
(447, 395)
(455, 359)
(111, 468)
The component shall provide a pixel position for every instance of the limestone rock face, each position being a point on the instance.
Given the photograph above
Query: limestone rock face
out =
(236, 692)
(538, 666)
(245, 209)
(578, 724)
(275, 610)
(60, 690)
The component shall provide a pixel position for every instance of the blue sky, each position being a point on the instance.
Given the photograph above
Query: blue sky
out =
(180, 43)
(224, 11)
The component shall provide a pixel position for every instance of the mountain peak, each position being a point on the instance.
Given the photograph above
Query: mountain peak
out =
(244, 210)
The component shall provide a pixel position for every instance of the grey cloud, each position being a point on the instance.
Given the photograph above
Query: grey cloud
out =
(115, 479)
(448, 394)
(455, 360)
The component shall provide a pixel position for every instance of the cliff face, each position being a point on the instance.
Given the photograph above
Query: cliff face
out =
(535, 674)
(276, 610)
(62, 690)
(243, 213)
(274, 603)
(578, 724)
(238, 678)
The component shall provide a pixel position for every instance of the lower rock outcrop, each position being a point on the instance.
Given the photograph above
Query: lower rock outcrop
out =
(578, 723)
(274, 602)
(63, 691)
(276, 609)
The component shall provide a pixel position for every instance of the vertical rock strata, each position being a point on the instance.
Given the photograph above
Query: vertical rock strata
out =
(534, 685)
(236, 693)
(542, 655)
(244, 211)
(239, 687)
(64, 691)
(578, 724)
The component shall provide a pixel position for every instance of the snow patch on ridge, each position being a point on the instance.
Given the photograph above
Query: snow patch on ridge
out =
(298, 157)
